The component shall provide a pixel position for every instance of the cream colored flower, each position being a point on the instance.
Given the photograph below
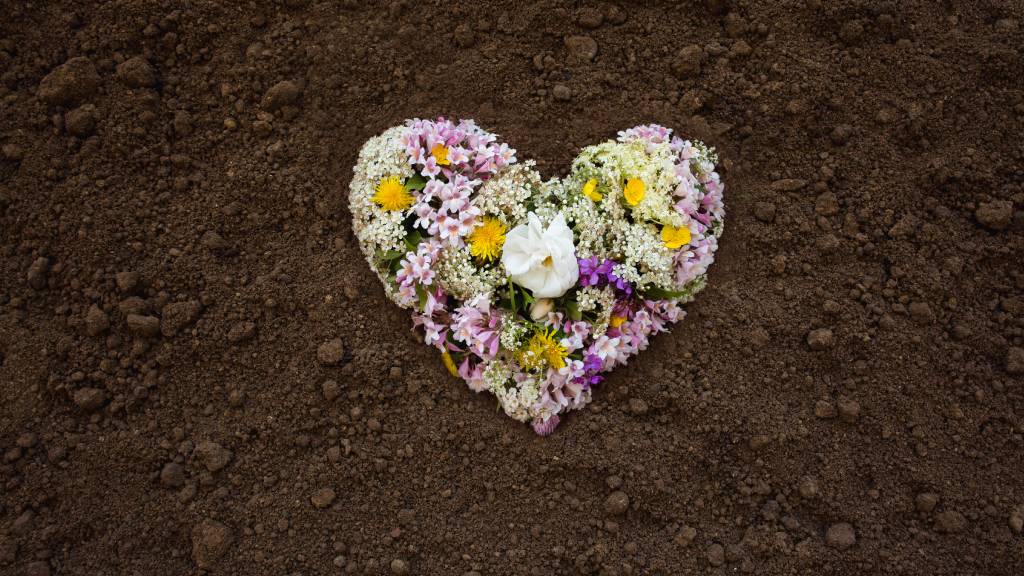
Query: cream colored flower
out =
(541, 259)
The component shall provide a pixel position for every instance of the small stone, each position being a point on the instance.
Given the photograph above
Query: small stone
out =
(841, 536)
(214, 242)
(716, 554)
(789, 185)
(331, 352)
(96, 321)
(590, 18)
(638, 406)
(399, 567)
(136, 73)
(242, 332)
(69, 83)
(214, 456)
(826, 204)
(764, 211)
(38, 272)
(562, 93)
(581, 48)
(740, 49)
(322, 498)
(464, 37)
(178, 315)
(759, 441)
(735, 25)
(921, 312)
(824, 409)
(144, 326)
(172, 475)
(89, 399)
(821, 339)
(1016, 522)
(282, 94)
(841, 134)
(617, 503)
(926, 501)
(995, 215)
(331, 390)
(849, 410)
(211, 540)
(809, 488)
(950, 521)
(126, 281)
(685, 536)
(182, 123)
(1015, 360)
(687, 61)
(81, 121)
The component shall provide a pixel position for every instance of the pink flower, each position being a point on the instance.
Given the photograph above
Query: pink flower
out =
(544, 427)
(430, 168)
(473, 374)
(477, 326)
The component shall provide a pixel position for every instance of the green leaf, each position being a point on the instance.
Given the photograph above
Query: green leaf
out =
(415, 182)
(573, 308)
(662, 294)
(412, 241)
(512, 296)
(421, 294)
(389, 255)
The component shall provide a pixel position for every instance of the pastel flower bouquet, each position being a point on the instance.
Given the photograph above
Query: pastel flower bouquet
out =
(533, 289)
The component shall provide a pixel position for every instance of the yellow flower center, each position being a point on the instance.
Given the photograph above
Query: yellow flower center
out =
(548, 262)
(486, 240)
(616, 321)
(675, 238)
(449, 363)
(634, 191)
(440, 154)
(543, 347)
(391, 195)
(590, 190)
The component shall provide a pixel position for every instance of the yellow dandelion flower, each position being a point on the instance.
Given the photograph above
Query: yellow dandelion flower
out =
(590, 190)
(616, 321)
(544, 347)
(440, 154)
(486, 240)
(634, 191)
(675, 238)
(449, 363)
(391, 195)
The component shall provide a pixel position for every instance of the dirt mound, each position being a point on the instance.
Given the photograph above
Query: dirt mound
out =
(199, 372)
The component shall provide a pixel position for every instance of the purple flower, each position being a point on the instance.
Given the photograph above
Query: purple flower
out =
(597, 272)
(546, 427)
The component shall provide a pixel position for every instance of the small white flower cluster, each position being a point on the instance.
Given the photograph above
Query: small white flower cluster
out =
(507, 195)
(517, 401)
(460, 277)
(378, 230)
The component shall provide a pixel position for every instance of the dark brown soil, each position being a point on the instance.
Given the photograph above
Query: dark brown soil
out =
(199, 372)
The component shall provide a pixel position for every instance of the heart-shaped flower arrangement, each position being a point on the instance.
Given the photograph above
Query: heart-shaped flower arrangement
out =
(532, 288)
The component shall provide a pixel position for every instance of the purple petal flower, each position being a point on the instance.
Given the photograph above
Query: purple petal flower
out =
(544, 428)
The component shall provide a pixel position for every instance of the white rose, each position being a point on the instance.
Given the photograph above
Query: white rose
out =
(542, 260)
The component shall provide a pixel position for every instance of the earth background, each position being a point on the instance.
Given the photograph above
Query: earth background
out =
(199, 373)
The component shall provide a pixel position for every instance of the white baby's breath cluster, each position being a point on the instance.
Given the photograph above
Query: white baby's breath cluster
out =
(508, 195)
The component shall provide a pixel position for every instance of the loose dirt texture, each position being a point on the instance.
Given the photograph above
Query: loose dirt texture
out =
(199, 373)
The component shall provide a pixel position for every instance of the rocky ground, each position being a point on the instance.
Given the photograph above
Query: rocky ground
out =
(199, 373)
